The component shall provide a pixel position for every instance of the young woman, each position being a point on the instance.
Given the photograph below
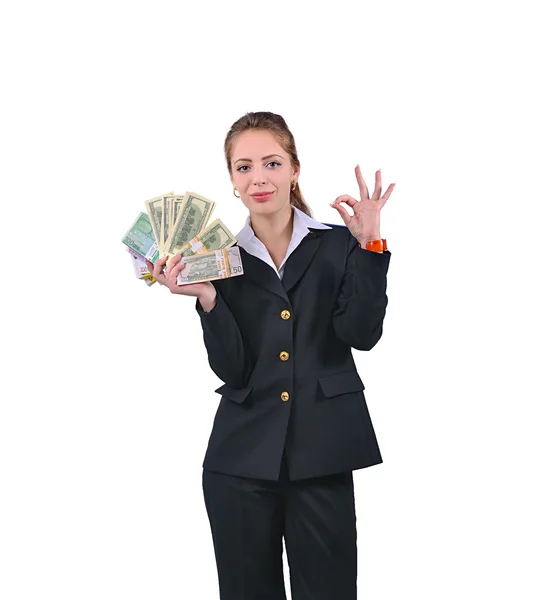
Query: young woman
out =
(292, 423)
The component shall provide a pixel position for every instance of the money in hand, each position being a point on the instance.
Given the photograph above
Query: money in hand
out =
(179, 223)
(213, 265)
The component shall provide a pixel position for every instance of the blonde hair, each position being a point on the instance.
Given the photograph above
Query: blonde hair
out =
(267, 121)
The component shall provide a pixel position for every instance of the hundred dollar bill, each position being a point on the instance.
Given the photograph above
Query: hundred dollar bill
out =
(177, 205)
(139, 238)
(154, 208)
(214, 265)
(215, 236)
(167, 207)
(193, 218)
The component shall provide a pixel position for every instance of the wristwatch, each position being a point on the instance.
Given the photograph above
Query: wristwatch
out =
(375, 245)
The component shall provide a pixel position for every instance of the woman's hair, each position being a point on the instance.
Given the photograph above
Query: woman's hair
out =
(267, 121)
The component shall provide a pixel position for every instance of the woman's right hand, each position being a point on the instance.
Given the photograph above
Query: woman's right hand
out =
(169, 278)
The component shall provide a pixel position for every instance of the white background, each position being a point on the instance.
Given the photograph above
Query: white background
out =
(107, 396)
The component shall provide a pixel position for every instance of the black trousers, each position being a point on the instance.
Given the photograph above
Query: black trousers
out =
(316, 517)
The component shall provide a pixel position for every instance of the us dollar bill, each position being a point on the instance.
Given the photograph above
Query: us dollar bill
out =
(193, 218)
(168, 200)
(176, 206)
(213, 265)
(154, 208)
(215, 236)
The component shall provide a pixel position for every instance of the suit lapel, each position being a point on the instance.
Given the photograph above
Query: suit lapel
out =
(262, 274)
(297, 263)
(299, 260)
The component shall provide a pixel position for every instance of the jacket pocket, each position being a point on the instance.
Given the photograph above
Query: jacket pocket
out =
(341, 383)
(236, 394)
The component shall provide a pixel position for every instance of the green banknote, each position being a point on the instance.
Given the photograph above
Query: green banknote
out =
(215, 236)
(154, 208)
(194, 214)
(141, 239)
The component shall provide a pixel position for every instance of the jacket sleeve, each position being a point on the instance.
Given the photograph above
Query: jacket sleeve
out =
(362, 299)
(227, 353)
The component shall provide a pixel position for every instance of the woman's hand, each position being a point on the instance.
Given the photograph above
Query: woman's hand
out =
(169, 278)
(364, 223)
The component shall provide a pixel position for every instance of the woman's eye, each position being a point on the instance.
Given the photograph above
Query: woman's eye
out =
(270, 163)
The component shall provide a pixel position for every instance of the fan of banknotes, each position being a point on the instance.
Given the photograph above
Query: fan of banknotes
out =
(179, 223)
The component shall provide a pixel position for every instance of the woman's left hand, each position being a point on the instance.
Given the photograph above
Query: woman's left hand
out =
(364, 223)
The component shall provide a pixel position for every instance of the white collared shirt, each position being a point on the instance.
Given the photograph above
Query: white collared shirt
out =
(247, 239)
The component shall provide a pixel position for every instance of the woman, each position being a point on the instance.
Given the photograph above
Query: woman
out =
(292, 423)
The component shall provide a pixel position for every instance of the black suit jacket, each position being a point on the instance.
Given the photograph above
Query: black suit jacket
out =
(332, 298)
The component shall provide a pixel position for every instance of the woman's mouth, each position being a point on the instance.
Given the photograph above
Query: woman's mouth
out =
(261, 197)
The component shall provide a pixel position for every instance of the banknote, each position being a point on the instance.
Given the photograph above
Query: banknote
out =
(139, 238)
(167, 207)
(215, 236)
(139, 265)
(177, 205)
(213, 265)
(193, 217)
(154, 208)
(140, 268)
(179, 223)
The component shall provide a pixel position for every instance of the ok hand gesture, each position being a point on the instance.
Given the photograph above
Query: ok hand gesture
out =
(364, 224)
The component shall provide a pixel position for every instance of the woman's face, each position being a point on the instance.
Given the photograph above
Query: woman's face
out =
(259, 164)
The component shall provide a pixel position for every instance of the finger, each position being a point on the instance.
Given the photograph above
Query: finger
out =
(343, 213)
(155, 270)
(158, 267)
(173, 271)
(151, 268)
(385, 196)
(377, 187)
(173, 261)
(362, 185)
(349, 200)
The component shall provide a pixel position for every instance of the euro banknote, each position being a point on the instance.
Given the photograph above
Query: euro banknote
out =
(139, 238)
(140, 268)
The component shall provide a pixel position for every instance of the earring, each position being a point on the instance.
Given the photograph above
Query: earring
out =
(234, 190)
(294, 185)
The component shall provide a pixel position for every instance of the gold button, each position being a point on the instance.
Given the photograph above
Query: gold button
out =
(285, 314)
(284, 355)
(285, 396)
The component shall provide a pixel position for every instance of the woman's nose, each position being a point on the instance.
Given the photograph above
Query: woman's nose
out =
(258, 175)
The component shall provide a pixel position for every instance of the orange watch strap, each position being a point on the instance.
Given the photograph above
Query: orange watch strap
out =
(376, 245)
